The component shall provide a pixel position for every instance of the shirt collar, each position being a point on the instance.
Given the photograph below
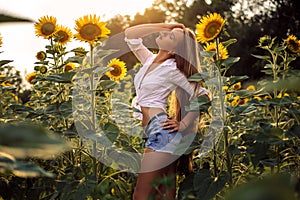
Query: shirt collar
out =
(169, 61)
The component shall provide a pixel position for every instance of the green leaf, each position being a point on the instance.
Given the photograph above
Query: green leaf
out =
(66, 109)
(111, 131)
(267, 71)
(278, 49)
(234, 79)
(29, 140)
(268, 66)
(74, 59)
(107, 84)
(269, 162)
(25, 170)
(228, 62)
(8, 164)
(121, 159)
(244, 110)
(4, 62)
(261, 57)
(229, 42)
(186, 187)
(294, 131)
(276, 186)
(208, 53)
(198, 77)
(247, 93)
(60, 78)
(52, 109)
(232, 149)
(207, 187)
(103, 53)
(11, 18)
(270, 134)
(21, 108)
(284, 101)
(200, 104)
(292, 83)
(42, 63)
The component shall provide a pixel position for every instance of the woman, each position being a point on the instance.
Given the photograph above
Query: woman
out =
(162, 73)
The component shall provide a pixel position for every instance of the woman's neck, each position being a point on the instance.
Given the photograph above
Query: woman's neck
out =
(162, 56)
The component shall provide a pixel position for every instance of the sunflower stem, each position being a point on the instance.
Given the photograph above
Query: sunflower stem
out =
(93, 112)
(223, 115)
(217, 52)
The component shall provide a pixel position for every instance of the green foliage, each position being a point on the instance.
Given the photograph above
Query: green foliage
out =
(260, 137)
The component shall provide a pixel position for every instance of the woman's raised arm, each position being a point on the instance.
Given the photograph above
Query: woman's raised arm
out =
(142, 30)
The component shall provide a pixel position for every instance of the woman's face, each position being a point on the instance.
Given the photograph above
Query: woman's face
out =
(168, 40)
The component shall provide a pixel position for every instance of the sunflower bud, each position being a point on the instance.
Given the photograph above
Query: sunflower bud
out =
(265, 41)
(43, 69)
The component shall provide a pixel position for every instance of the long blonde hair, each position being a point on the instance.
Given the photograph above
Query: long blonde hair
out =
(187, 59)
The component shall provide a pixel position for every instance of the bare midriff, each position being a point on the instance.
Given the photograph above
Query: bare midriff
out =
(148, 113)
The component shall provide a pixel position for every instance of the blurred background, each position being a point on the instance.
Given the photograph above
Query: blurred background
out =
(248, 21)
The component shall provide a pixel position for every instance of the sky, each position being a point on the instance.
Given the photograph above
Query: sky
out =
(19, 41)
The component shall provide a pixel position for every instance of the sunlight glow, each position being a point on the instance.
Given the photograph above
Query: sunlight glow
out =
(19, 41)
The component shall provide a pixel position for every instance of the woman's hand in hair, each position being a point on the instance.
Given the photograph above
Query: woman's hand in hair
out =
(176, 25)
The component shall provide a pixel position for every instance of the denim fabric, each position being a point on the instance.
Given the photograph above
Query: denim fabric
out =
(161, 140)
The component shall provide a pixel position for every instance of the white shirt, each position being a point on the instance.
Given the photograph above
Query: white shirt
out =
(154, 88)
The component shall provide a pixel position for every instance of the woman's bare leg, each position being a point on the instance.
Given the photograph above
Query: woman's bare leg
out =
(154, 166)
(169, 192)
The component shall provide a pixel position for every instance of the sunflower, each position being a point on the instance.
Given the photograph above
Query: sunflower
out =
(237, 86)
(69, 67)
(1, 41)
(107, 94)
(16, 98)
(80, 51)
(251, 87)
(243, 101)
(63, 35)
(45, 27)
(41, 55)
(5, 84)
(236, 101)
(209, 27)
(293, 44)
(30, 77)
(267, 97)
(119, 69)
(280, 95)
(43, 69)
(225, 88)
(90, 29)
(223, 53)
(257, 98)
(265, 41)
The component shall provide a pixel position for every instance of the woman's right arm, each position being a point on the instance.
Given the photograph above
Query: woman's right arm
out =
(142, 30)
(134, 34)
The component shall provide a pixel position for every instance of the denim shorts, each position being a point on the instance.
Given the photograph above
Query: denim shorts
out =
(159, 139)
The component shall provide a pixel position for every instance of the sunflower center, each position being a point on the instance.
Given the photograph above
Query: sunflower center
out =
(68, 68)
(62, 36)
(116, 71)
(41, 56)
(90, 32)
(48, 28)
(212, 29)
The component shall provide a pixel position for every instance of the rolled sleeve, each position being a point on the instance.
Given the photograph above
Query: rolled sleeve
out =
(139, 50)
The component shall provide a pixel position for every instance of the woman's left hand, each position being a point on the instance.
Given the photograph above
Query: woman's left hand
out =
(171, 124)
